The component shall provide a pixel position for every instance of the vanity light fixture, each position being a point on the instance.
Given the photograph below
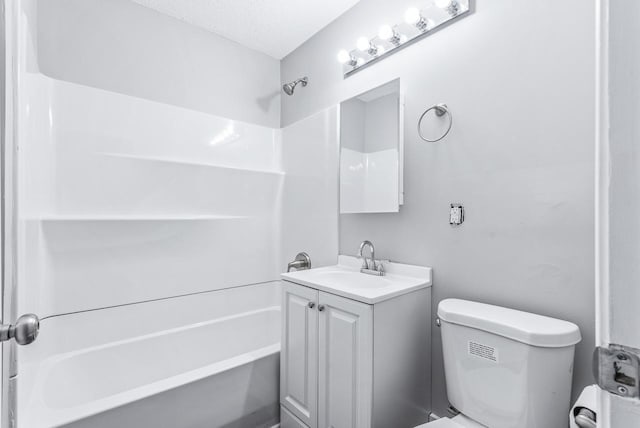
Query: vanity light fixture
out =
(365, 45)
(414, 17)
(451, 6)
(389, 34)
(344, 57)
(418, 23)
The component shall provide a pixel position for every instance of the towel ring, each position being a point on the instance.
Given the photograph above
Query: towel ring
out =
(441, 110)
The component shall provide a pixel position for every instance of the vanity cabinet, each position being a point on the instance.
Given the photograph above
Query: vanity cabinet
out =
(345, 362)
(299, 353)
(349, 364)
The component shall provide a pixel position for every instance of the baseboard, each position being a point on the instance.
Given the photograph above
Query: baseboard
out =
(433, 417)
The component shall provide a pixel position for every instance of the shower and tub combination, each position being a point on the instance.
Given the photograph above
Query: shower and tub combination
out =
(149, 243)
(182, 361)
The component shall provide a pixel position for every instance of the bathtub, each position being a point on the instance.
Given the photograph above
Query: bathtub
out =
(205, 360)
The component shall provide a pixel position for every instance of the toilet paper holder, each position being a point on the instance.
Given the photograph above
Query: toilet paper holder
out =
(585, 418)
(583, 413)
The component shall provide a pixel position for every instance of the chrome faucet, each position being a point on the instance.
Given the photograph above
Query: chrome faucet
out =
(369, 266)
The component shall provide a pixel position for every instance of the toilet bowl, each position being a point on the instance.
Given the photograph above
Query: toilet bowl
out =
(505, 368)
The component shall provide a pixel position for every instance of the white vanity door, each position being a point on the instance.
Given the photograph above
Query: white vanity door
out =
(345, 363)
(299, 354)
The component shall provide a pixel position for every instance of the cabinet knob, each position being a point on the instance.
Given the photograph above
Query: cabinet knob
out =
(311, 305)
(321, 308)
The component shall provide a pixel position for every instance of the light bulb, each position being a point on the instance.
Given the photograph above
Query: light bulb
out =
(443, 3)
(359, 62)
(412, 16)
(389, 34)
(385, 32)
(344, 56)
(363, 44)
(451, 6)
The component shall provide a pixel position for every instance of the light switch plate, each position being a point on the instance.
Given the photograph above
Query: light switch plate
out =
(456, 215)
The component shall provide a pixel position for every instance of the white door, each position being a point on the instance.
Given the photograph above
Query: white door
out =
(345, 363)
(618, 211)
(299, 352)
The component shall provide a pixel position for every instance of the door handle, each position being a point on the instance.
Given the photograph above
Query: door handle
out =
(24, 331)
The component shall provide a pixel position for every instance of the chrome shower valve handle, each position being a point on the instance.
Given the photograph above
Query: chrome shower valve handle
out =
(301, 262)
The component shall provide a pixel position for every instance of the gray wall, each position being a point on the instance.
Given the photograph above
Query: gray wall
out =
(123, 47)
(519, 78)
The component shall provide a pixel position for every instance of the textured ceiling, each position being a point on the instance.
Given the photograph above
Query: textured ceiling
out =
(275, 27)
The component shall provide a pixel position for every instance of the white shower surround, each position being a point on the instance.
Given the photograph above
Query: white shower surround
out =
(144, 228)
(129, 210)
(127, 200)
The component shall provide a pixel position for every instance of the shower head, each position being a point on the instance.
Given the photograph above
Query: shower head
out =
(289, 88)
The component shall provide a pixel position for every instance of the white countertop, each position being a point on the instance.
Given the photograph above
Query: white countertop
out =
(346, 280)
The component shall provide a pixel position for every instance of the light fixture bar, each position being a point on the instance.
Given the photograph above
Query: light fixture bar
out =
(418, 24)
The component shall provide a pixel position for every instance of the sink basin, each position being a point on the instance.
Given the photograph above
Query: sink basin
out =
(345, 279)
(354, 279)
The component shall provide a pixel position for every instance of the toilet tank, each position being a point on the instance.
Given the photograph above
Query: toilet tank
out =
(506, 368)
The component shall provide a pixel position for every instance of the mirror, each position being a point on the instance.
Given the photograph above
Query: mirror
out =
(371, 147)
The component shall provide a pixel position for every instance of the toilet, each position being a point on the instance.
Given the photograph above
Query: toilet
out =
(505, 368)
